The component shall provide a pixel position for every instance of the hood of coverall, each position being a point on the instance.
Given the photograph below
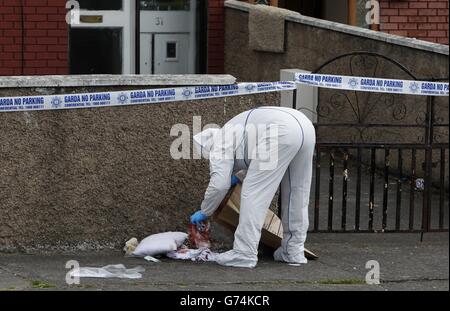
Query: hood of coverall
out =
(203, 141)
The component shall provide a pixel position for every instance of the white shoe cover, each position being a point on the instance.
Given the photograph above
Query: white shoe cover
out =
(280, 255)
(235, 258)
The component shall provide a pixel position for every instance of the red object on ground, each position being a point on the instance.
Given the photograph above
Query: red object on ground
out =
(199, 235)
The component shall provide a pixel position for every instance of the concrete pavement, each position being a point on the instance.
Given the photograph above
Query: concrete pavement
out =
(405, 264)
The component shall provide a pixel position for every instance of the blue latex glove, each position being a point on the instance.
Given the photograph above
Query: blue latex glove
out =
(198, 217)
(235, 181)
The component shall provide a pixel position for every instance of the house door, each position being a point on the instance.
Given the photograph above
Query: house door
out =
(168, 37)
(103, 41)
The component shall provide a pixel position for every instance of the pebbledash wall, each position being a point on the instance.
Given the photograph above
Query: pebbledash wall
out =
(93, 178)
(34, 41)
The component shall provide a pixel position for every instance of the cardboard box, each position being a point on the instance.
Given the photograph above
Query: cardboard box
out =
(272, 233)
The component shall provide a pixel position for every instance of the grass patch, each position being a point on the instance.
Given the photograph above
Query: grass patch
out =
(343, 282)
(41, 284)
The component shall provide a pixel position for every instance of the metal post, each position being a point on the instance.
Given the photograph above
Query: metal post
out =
(331, 191)
(317, 190)
(344, 191)
(426, 210)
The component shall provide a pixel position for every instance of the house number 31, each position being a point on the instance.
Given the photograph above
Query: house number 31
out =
(159, 21)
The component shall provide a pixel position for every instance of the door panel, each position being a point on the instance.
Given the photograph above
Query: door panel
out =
(171, 53)
(146, 53)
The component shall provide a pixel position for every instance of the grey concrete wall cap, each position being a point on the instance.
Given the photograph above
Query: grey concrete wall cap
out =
(114, 80)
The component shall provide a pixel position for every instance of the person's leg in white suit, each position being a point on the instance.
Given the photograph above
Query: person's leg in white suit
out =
(258, 190)
(295, 191)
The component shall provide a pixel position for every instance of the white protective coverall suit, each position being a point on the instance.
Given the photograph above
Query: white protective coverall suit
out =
(284, 147)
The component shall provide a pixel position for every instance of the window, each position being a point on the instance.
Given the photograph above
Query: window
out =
(166, 5)
(171, 50)
(100, 5)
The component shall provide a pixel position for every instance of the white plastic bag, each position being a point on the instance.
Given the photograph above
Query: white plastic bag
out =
(161, 243)
(110, 271)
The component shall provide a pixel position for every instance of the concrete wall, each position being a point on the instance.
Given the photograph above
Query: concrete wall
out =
(93, 178)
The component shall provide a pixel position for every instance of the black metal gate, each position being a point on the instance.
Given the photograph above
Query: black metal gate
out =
(381, 159)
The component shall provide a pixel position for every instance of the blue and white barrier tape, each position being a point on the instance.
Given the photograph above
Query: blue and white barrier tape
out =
(137, 97)
(409, 87)
(164, 95)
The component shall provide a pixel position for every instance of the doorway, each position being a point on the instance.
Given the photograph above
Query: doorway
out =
(168, 36)
(103, 42)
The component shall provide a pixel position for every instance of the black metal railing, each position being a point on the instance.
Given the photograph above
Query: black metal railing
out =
(380, 163)
(359, 194)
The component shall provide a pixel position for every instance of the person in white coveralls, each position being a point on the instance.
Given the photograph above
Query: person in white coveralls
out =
(274, 145)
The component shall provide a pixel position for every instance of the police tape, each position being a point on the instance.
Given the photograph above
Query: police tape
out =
(364, 84)
(165, 95)
(138, 97)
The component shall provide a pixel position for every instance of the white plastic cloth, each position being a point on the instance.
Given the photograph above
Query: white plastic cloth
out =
(201, 254)
(294, 139)
(110, 271)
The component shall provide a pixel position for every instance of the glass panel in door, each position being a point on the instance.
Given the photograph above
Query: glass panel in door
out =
(95, 51)
(166, 5)
(101, 5)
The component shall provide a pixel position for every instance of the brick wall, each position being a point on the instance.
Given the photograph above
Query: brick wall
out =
(422, 19)
(216, 36)
(44, 34)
